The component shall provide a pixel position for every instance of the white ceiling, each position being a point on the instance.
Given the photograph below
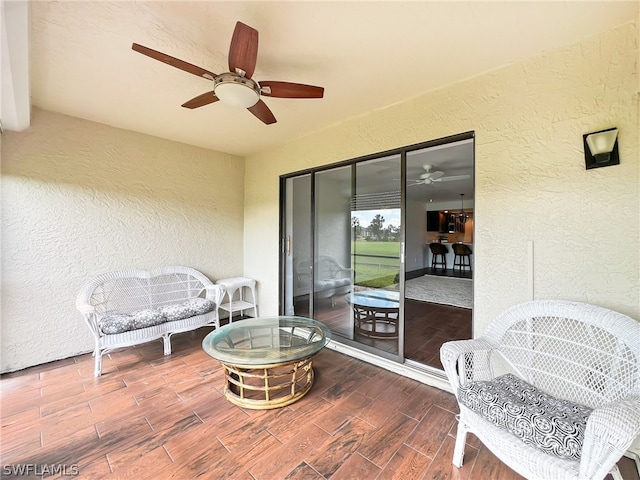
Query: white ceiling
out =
(367, 55)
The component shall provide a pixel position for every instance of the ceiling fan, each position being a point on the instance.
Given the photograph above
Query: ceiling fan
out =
(429, 177)
(236, 87)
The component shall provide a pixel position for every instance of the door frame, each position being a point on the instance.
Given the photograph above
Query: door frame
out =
(402, 151)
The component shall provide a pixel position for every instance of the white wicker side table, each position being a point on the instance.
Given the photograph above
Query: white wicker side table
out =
(244, 286)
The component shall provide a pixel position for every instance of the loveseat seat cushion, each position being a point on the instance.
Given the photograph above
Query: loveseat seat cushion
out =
(201, 305)
(552, 425)
(124, 322)
(332, 286)
(189, 308)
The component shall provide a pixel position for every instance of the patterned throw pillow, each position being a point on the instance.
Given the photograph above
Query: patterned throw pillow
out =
(552, 425)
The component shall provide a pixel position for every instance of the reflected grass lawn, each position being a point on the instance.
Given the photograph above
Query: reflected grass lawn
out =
(376, 271)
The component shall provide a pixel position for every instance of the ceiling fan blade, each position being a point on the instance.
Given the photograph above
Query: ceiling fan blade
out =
(451, 178)
(243, 51)
(174, 62)
(201, 100)
(261, 111)
(432, 175)
(290, 90)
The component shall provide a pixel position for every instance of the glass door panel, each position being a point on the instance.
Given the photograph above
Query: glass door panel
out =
(297, 246)
(438, 295)
(332, 249)
(342, 252)
(376, 255)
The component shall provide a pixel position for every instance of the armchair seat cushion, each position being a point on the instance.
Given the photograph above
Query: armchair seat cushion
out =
(555, 426)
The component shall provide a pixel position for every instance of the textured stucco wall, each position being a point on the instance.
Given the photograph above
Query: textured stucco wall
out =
(81, 198)
(531, 183)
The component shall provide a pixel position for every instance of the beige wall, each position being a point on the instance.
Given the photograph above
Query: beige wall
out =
(81, 198)
(533, 193)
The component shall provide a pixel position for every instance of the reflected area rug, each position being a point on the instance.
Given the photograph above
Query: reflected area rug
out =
(457, 292)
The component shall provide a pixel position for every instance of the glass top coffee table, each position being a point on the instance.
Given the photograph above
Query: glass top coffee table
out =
(267, 361)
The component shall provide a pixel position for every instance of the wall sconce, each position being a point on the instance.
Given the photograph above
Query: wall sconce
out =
(601, 148)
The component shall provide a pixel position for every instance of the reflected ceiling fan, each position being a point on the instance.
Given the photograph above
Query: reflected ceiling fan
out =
(236, 87)
(429, 177)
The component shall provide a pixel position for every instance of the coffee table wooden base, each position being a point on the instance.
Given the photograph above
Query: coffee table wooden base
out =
(376, 322)
(263, 387)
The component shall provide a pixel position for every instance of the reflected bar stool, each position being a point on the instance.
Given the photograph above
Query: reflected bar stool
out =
(438, 255)
(462, 256)
(240, 284)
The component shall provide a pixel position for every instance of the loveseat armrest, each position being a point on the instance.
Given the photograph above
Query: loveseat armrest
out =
(344, 270)
(467, 360)
(86, 309)
(90, 316)
(610, 431)
(214, 293)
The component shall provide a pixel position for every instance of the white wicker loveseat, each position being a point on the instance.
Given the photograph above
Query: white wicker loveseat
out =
(331, 279)
(129, 307)
(579, 409)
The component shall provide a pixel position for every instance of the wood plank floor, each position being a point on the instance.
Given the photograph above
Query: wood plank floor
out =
(151, 416)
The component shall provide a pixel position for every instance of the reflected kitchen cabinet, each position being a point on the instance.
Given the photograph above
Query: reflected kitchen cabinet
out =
(437, 221)
(444, 222)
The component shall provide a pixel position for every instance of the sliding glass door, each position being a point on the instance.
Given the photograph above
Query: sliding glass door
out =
(342, 251)
(355, 249)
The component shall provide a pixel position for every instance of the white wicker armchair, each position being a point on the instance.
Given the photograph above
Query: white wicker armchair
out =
(579, 353)
(128, 307)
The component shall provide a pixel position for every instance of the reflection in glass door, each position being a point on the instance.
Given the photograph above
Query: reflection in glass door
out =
(356, 253)
(438, 294)
(296, 246)
(342, 252)
(332, 249)
(377, 255)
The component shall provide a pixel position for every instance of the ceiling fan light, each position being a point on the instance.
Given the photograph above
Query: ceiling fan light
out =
(236, 91)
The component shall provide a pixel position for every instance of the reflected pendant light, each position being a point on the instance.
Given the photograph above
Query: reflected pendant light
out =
(462, 217)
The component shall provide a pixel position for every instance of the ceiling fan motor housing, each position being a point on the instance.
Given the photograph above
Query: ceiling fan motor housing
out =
(236, 90)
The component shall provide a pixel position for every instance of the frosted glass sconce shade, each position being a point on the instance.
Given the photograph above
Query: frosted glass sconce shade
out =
(601, 148)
